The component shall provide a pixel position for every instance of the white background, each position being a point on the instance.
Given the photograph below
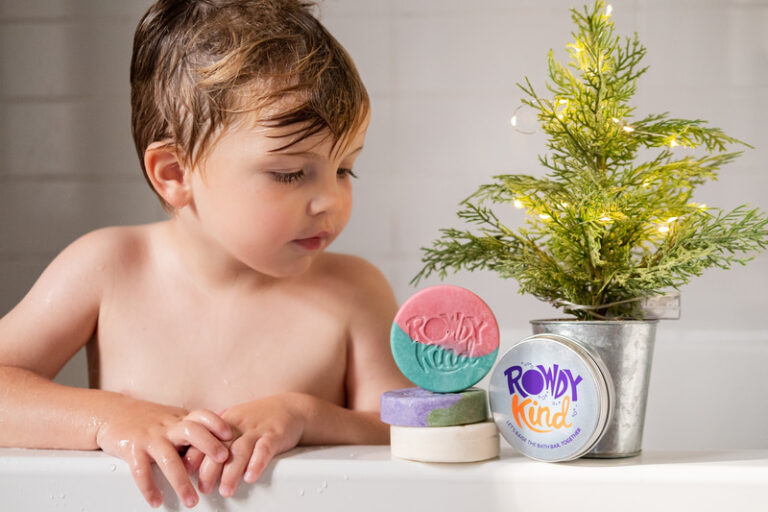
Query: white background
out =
(441, 74)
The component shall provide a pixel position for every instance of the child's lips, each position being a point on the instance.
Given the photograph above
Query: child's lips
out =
(314, 242)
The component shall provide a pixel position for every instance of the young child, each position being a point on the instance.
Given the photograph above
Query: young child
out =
(226, 331)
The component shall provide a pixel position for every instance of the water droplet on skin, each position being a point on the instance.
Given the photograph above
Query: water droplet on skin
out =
(226, 382)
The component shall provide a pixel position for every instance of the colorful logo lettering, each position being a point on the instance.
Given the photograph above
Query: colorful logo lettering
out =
(446, 343)
(553, 387)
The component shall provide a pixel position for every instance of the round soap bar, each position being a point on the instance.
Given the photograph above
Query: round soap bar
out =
(445, 338)
(466, 443)
(417, 407)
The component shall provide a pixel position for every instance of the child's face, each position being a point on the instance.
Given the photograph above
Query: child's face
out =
(274, 211)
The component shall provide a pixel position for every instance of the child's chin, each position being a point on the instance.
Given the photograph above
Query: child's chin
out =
(292, 269)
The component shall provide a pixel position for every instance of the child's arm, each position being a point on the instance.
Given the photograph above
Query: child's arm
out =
(267, 427)
(56, 318)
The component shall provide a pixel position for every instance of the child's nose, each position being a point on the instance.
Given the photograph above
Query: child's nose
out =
(328, 197)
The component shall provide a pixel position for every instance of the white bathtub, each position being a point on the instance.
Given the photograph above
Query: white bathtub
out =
(366, 478)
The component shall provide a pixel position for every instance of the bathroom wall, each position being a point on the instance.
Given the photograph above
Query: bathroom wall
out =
(441, 74)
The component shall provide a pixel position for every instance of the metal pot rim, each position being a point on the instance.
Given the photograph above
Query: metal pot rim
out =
(590, 322)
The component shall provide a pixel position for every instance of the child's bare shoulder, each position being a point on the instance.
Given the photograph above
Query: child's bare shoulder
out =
(106, 250)
(354, 277)
(68, 295)
(100, 251)
(116, 242)
(360, 289)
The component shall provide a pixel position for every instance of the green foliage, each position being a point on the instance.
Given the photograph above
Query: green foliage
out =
(601, 228)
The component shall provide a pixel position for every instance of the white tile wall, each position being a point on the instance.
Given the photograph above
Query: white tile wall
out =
(79, 9)
(50, 59)
(441, 74)
(37, 138)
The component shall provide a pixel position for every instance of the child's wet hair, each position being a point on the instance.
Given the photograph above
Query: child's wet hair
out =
(199, 65)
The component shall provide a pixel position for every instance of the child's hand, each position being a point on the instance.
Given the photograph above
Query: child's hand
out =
(262, 429)
(142, 432)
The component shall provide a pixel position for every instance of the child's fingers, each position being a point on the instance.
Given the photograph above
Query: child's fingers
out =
(209, 473)
(233, 470)
(169, 462)
(212, 422)
(192, 459)
(141, 470)
(263, 453)
(194, 434)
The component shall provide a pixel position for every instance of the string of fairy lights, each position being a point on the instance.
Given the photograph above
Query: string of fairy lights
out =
(561, 105)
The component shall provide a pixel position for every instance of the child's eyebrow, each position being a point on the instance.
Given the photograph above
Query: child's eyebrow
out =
(312, 153)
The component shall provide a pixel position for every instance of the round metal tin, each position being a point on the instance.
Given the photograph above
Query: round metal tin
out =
(551, 397)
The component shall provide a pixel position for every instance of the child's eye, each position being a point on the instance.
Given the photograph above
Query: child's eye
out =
(288, 177)
(345, 173)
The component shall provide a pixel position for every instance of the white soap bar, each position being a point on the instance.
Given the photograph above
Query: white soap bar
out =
(464, 443)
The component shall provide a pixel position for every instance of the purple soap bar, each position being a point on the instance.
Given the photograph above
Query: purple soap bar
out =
(417, 407)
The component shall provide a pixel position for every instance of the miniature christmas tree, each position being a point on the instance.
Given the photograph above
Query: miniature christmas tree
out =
(602, 231)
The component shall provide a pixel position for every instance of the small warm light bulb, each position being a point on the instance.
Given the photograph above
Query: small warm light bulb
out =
(563, 102)
(518, 204)
(673, 143)
(671, 220)
(615, 120)
(608, 11)
(664, 228)
(513, 121)
(564, 204)
(628, 129)
(646, 184)
(575, 47)
(702, 206)
(605, 219)
(544, 216)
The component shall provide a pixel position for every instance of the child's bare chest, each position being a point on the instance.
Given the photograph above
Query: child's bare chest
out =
(184, 350)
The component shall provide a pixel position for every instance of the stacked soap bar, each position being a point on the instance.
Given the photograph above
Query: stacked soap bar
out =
(444, 339)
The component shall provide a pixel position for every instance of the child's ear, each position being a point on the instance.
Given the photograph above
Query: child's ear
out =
(167, 174)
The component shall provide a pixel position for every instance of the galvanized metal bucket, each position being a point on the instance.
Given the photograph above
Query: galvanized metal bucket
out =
(626, 348)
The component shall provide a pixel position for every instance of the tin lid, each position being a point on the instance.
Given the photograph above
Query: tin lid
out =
(551, 397)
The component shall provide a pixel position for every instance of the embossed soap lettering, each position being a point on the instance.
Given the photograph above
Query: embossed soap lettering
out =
(432, 357)
(458, 331)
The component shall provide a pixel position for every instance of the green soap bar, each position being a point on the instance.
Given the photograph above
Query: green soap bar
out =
(471, 408)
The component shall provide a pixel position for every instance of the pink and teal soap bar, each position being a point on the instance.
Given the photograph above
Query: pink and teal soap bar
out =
(445, 338)
(417, 407)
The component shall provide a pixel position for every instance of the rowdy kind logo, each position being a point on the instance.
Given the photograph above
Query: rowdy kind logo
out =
(446, 343)
(553, 390)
